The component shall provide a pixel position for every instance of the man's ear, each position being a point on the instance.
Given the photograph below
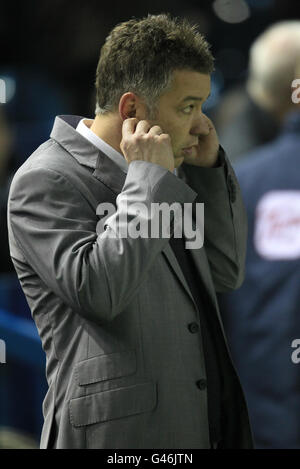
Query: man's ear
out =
(131, 105)
(128, 105)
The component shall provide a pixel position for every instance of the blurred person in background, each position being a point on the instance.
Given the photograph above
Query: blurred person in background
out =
(242, 123)
(262, 318)
(251, 116)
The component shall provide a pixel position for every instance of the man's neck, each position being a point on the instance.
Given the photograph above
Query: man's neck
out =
(109, 128)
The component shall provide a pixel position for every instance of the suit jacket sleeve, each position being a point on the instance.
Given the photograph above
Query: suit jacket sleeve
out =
(55, 228)
(225, 220)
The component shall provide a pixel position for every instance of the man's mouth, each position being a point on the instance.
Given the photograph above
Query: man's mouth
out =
(189, 150)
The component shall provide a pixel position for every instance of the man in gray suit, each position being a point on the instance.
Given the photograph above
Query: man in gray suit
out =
(135, 347)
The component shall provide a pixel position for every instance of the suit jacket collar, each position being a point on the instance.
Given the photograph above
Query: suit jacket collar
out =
(105, 170)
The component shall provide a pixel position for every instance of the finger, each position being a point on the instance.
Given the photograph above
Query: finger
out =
(155, 130)
(129, 126)
(142, 127)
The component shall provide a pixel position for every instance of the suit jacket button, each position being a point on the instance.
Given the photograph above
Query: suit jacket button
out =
(201, 384)
(193, 327)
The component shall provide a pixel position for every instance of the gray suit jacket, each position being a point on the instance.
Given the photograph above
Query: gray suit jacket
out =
(113, 313)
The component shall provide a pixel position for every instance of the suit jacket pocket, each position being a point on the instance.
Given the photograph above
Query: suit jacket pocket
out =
(113, 404)
(105, 367)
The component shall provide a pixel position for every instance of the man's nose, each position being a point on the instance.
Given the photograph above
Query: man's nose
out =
(200, 125)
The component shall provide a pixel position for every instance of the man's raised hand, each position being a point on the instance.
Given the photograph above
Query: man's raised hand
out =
(142, 142)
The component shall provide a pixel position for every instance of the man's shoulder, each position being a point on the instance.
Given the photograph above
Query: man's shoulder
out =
(266, 158)
(49, 155)
(52, 169)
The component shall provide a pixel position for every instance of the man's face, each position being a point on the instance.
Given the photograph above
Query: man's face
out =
(179, 112)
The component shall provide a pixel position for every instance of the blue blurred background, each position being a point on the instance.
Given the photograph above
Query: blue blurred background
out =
(49, 53)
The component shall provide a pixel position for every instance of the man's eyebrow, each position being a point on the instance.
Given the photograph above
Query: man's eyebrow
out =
(196, 98)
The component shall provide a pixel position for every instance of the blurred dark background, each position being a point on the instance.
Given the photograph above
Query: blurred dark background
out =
(49, 53)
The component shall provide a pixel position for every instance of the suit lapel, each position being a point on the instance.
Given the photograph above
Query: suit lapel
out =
(202, 265)
(172, 261)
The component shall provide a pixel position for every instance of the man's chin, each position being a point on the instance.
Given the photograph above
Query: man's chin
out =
(178, 160)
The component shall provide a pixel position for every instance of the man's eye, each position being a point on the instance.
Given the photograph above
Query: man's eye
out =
(188, 109)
